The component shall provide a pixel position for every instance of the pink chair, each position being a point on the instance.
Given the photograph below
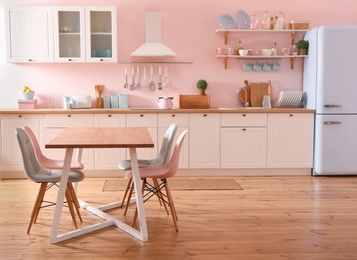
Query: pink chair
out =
(52, 164)
(162, 173)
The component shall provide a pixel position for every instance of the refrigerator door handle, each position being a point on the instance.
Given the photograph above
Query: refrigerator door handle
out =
(333, 105)
(332, 123)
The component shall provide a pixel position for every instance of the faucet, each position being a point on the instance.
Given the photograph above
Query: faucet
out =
(246, 103)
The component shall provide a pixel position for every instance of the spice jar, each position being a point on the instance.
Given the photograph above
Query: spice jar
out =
(238, 47)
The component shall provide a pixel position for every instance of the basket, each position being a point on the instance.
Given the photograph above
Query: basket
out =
(298, 25)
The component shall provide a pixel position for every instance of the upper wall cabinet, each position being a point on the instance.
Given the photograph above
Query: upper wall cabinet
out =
(62, 34)
(29, 34)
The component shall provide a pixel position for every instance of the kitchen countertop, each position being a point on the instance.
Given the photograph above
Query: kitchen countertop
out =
(153, 110)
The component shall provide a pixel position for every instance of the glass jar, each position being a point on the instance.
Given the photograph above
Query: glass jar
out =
(239, 46)
(265, 21)
(254, 22)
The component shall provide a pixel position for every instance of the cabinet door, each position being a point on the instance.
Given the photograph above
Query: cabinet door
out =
(205, 140)
(11, 158)
(243, 147)
(69, 34)
(150, 122)
(101, 34)
(290, 140)
(108, 158)
(29, 34)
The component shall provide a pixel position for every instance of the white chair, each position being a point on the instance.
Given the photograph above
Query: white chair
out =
(162, 173)
(47, 178)
(162, 158)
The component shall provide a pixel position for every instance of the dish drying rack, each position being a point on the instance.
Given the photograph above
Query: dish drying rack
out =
(289, 99)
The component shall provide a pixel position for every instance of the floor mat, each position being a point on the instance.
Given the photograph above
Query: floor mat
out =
(183, 184)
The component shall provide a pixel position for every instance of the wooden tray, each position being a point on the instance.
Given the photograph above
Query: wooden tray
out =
(194, 101)
(257, 91)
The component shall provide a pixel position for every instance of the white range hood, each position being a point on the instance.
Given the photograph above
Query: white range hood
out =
(153, 47)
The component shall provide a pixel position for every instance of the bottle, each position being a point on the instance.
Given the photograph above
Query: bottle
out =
(274, 49)
(272, 23)
(238, 47)
(254, 22)
(281, 21)
(265, 21)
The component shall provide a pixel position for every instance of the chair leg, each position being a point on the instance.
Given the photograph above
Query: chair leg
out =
(74, 200)
(70, 207)
(172, 206)
(127, 189)
(160, 195)
(129, 198)
(37, 205)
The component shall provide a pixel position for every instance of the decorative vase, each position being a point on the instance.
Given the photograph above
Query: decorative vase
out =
(202, 91)
(302, 51)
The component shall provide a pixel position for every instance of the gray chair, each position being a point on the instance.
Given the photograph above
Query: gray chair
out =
(47, 178)
(162, 158)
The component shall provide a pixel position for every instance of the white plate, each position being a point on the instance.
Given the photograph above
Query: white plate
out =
(243, 19)
(226, 21)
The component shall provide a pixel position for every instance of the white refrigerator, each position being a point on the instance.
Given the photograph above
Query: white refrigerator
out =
(330, 87)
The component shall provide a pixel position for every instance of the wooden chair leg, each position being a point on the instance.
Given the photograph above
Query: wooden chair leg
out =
(172, 206)
(127, 189)
(37, 205)
(70, 207)
(160, 195)
(74, 200)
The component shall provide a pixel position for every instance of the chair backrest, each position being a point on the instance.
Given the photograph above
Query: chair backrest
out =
(166, 147)
(35, 144)
(31, 165)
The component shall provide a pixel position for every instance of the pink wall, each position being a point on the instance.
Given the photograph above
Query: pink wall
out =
(188, 29)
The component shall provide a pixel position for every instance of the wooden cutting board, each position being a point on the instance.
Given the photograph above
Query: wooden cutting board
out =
(241, 95)
(257, 91)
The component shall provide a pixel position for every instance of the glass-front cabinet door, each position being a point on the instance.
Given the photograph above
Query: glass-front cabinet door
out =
(69, 34)
(101, 39)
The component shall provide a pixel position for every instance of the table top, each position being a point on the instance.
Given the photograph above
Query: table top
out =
(102, 137)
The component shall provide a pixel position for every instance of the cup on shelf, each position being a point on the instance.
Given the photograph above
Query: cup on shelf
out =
(257, 66)
(285, 51)
(247, 66)
(230, 51)
(243, 52)
(221, 51)
(276, 66)
(267, 66)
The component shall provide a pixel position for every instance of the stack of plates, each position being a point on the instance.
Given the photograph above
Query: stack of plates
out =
(289, 98)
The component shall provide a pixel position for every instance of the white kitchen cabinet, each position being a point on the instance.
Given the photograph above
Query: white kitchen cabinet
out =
(29, 34)
(205, 140)
(183, 123)
(109, 158)
(101, 33)
(11, 158)
(150, 122)
(290, 140)
(69, 33)
(55, 123)
(243, 140)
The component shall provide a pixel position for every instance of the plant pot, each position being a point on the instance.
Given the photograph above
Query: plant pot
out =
(302, 51)
(202, 91)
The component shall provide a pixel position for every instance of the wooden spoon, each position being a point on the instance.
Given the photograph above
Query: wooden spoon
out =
(98, 92)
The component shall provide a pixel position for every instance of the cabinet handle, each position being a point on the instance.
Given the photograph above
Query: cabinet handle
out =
(68, 115)
(244, 115)
(20, 115)
(332, 123)
(109, 115)
(69, 59)
(101, 59)
(30, 59)
(291, 115)
(173, 115)
(244, 129)
(141, 115)
(205, 115)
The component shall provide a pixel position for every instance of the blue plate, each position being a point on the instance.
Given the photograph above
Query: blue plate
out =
(226, 21)
(243, 19)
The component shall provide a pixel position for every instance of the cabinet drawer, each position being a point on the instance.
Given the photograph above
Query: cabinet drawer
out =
(69, 120)
(244, 119)
(165, 120)
(141, 120)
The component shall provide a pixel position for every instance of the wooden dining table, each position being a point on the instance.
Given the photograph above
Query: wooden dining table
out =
(98, 137)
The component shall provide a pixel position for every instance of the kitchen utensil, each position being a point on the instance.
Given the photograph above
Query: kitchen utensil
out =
(152, 83)
(276, 66)
(132, 85)
(159, 85)
(226, 21)
(126, 85)
(243, 19)
(145, 83)
(244, 94)
(257, 91)
(257, 66)
(267, 66)
(137, 77)
(166, 77)
(165, 102)
(98, 93)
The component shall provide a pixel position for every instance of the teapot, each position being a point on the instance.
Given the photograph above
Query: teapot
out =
(164, 102)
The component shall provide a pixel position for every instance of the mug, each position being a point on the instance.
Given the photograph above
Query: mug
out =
(276, 66)
(247, 67)
(257, 66)
(285, 51)
(221, 51)
(266, 66)
(230, 51)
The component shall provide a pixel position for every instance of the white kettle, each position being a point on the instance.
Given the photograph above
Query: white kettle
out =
(165, 102)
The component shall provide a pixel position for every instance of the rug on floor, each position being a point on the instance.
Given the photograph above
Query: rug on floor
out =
(182, 184)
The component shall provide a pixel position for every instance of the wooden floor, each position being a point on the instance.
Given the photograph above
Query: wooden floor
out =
(272, 218)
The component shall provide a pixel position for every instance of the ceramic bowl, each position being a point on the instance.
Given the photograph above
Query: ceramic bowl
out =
(266, 52)
(253, 52)
(27, 95)
(243, 52)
